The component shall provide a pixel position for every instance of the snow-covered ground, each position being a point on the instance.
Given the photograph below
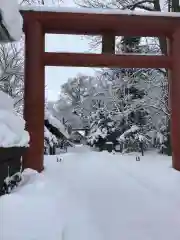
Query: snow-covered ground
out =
(95, 196)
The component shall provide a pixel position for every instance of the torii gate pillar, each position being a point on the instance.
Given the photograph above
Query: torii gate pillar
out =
(175, 99)
(34, 95)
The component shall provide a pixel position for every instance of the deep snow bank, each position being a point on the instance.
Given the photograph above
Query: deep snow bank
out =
(12, 126)
(11, 18)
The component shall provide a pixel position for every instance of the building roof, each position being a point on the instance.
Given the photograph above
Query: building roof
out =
(55, 125)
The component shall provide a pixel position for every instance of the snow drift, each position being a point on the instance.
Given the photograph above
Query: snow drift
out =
(12, 126)
(11, 18)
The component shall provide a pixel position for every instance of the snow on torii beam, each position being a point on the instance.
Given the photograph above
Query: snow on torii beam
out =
(41, 20)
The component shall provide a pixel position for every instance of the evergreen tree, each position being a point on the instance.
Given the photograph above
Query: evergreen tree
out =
(162, 139)
(135, 116)
(102, 126)
(130, 44)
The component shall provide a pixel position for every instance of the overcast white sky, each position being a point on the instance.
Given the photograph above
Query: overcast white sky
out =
(56, 76)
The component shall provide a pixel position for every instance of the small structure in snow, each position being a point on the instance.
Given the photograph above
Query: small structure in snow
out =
(77, 137)
(117, 148)
(138, 158)
(108, 146)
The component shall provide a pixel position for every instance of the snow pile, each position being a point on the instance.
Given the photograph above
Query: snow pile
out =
(95, 196)
(12, 126)
(11, 18)
(56, 123)
(29, 176)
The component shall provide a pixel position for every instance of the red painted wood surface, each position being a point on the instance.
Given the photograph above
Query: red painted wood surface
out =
(106, 60)
(175, 100)
(34, 95)
(97, 24)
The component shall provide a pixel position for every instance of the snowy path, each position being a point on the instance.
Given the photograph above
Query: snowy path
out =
(97, 196)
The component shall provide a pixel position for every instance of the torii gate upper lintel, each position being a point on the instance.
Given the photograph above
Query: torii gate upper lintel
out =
(38, 22)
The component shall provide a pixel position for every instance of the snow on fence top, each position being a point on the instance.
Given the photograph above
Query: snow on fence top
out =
(12, 133)
(11, 18)
(97, 11)
(56, 123)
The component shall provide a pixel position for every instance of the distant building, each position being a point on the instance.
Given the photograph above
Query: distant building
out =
(78, 137)
(55, 134)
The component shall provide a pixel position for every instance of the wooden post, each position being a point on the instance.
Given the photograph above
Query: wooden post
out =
(175, 99)
(169, 71)
(108, 43)
(34, 94)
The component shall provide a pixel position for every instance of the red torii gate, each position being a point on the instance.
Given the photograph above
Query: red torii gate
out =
(108, 24)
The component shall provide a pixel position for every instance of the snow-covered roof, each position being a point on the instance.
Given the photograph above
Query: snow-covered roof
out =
(97, 11)
(11, 18)
(82, 133)
(12, 126)
(56, 123)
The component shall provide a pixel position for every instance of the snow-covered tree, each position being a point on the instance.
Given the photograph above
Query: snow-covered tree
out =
(75, 100)
(161, 138)
(128, 96)
(12, 73)
(101, 128)
(160, 43)
(134, 140)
